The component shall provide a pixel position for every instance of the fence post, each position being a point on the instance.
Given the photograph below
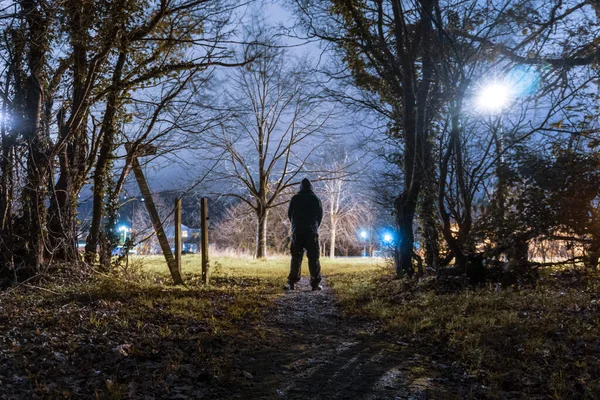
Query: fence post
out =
(204, 228)
(156, 222)
(178, 234)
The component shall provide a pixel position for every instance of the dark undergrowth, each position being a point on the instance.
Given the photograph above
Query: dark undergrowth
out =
(132, 335)
(539, 340)
(111, 338)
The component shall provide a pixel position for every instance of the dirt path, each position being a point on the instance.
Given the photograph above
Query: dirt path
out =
(316, 354)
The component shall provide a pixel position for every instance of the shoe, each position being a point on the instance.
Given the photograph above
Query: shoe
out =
(290, 286)
(318, 287)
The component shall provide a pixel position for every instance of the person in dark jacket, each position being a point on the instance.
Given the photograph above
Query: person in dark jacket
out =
(305, 213)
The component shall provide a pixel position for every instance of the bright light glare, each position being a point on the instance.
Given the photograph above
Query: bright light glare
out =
(387, 238)
(123, 228)
(493, 97)
(363, 234)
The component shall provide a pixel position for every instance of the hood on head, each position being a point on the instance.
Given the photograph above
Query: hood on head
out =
(306, 186)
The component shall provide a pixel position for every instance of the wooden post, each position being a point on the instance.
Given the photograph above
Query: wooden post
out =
(204, 229)
(156, 222)
(178, 234)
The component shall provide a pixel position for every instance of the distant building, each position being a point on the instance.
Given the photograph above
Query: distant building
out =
(190, 238)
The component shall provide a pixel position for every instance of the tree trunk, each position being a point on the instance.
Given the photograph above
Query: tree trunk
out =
(430, 234)
(405, 207)
(63, 207)
(518, 255)
(62, 226)
(6, 222)
(104, 161)
(7, 171)
(8, 161)
(499, 200)
(454, 151)
(429, 221)
(34, 192)
(414, 124)
(332, 237)
(261, 232)
(6, 184)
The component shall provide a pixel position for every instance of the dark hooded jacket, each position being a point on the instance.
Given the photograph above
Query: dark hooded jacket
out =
(305, 210)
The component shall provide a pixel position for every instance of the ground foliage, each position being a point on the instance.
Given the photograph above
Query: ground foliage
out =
(132, 335)
(528, 341)
(112, 338)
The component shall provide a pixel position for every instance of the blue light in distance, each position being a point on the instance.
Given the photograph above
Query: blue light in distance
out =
(388, 238)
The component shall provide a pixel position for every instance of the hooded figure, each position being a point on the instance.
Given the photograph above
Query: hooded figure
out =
(305, 213)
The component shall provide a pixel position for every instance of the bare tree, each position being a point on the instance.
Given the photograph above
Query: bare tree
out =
(345, 205)
(234, 231)
(265, 145)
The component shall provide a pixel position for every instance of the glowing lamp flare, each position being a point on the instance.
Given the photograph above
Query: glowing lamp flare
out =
(493, 97)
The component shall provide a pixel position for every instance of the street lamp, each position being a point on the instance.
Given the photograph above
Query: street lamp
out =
(386, 242)
(363, 235)
(493, 98)
(124, 230)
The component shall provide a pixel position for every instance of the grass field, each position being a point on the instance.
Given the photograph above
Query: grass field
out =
(273, 268)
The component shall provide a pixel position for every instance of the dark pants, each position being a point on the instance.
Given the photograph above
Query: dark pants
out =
(300, 242)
